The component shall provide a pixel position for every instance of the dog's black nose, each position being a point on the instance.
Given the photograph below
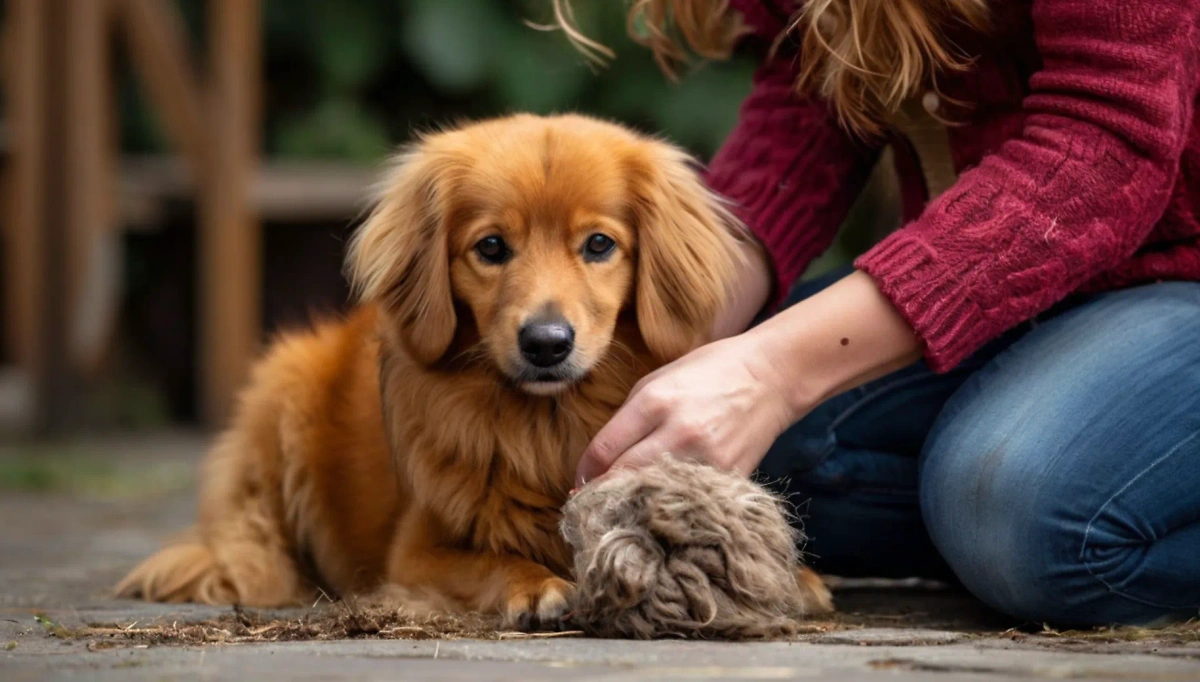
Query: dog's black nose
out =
(545, 343)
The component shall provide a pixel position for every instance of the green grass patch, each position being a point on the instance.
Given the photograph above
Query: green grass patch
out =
(53, 628)
(77, 472)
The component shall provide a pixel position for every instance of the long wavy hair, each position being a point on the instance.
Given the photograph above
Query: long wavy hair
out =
(866, 57)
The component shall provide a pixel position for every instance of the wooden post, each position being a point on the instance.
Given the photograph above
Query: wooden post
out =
(230, 260)
(56, 395)
(159, 49)
(93, 251)
(26, 82)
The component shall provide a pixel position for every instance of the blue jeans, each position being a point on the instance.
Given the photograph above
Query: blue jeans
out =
(1055, 474)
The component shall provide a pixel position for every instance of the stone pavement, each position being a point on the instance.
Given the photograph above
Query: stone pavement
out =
(62, 547)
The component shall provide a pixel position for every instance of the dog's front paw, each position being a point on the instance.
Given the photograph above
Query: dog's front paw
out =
(538, 604)
(815, 596)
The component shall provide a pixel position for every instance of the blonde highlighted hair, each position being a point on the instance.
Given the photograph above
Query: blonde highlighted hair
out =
(866, 57)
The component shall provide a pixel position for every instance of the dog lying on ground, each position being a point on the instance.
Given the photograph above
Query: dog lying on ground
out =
(515, 280)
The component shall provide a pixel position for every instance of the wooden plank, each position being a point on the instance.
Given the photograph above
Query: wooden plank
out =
(230, 238)
(24, 83)
(93, 253)
(298, 192)
(158, 46)
(57, 394)
(281, 191)
(36, 230)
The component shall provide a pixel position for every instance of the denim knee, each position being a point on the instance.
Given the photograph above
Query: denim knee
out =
(1020, 547)
(1000, 532)
(1056, 483)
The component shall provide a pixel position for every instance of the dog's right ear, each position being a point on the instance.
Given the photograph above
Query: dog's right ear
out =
(399, 258)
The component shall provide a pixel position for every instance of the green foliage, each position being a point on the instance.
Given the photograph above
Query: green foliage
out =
(455, 44)
(348, 79)
(338, 127)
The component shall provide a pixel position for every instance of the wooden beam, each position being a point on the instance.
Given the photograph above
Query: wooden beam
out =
(230, 238)
(158, 45)
(57, 394)
(93, 254)
(282, 191)
(36, 265)
(25, 82)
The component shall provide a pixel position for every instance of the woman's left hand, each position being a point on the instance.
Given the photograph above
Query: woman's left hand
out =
(721, 404)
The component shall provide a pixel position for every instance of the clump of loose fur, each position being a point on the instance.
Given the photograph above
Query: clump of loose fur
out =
(682, 549)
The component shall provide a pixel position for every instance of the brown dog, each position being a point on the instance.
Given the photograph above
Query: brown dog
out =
(517, 277)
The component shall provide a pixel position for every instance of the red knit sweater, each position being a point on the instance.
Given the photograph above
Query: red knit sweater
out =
(1078, 160)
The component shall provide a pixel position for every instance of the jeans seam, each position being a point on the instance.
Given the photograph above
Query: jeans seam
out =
(1091, 522)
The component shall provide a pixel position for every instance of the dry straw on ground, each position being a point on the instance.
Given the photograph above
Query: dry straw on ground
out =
(345, 621)
(342, 620)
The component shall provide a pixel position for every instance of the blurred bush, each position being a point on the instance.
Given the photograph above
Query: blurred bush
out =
(349, 80)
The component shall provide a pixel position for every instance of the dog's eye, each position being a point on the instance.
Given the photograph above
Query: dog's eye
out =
(492, 249)
(598, 247)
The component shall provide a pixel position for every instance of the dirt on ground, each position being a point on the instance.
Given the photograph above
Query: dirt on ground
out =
(349, 620)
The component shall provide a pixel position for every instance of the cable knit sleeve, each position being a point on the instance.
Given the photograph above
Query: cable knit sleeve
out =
(1076, 193)
(791, 172)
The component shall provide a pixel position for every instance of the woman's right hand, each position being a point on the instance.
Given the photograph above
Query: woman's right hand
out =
(753, 286)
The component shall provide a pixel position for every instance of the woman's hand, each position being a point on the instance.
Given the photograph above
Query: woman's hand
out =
(721, 404)
(726, 402)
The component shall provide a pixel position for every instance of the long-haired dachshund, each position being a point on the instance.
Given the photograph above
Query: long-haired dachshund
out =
(516, 278)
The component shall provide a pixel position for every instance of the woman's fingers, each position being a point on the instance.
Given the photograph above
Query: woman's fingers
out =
(633, 422)
(646, 451)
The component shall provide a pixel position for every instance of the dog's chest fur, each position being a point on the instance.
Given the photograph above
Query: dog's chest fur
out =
(490, 465)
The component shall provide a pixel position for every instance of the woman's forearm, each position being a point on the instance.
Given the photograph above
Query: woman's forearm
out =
(840, 338)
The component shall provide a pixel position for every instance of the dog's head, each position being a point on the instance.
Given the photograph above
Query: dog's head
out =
(541, 232)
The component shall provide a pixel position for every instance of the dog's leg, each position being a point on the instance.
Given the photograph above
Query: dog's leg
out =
(526, 594)
(216, 571)
(238, 553)
(180, 572)
(814, 593)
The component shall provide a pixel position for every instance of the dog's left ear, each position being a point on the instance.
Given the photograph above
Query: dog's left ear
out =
(399, 257)
(689, 248)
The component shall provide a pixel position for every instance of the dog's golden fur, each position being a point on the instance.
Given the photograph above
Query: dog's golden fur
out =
(404, 445)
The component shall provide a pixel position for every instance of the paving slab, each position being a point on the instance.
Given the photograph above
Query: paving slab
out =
(67, 537)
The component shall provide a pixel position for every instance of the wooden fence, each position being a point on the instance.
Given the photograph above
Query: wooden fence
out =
(64, 181)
